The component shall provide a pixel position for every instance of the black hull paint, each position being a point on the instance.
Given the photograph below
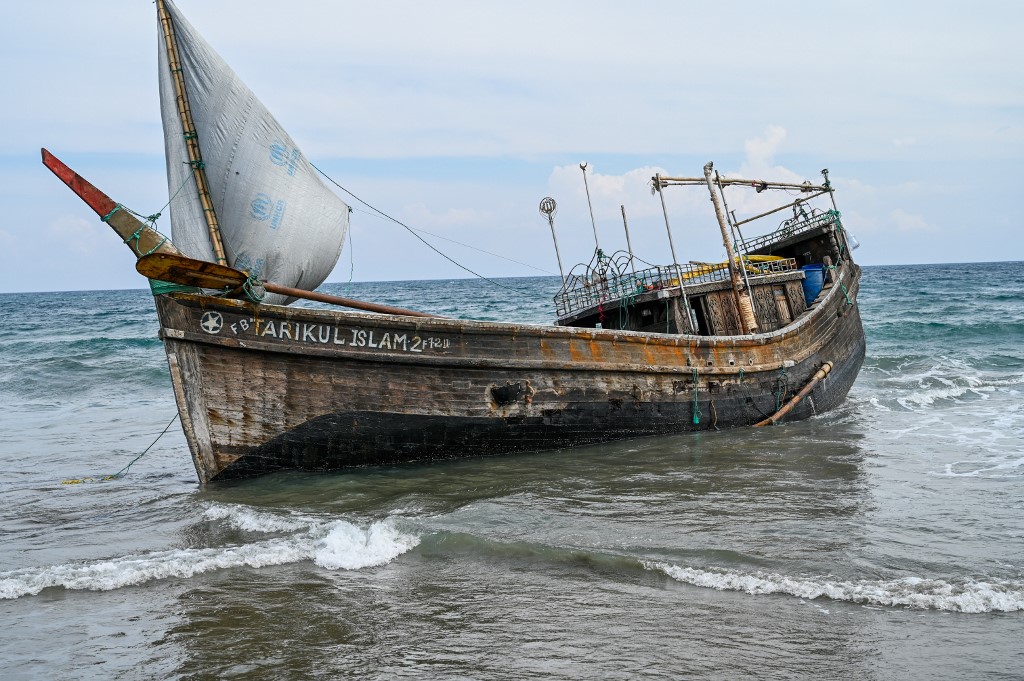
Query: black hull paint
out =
(353, 439)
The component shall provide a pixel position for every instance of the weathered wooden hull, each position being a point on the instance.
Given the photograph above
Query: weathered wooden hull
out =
(263, 388)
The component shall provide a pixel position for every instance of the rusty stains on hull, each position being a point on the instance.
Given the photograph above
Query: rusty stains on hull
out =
(263, 388)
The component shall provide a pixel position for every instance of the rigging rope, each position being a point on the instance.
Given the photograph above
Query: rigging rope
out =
(413, 232)
(471, 247)
(124, 471)
(835, 215)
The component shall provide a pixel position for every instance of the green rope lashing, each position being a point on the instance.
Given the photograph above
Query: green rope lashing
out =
(106, 218)
(846, 293)
(197, 165)
(781, 388)
(137, 237)
(254, 289)
(696, 407)
(835, 216)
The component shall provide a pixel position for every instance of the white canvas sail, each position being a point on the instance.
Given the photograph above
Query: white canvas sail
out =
(277, 218)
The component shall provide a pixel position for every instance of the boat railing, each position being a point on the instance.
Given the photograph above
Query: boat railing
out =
(805, 222)
(593, 285)
(598, 283)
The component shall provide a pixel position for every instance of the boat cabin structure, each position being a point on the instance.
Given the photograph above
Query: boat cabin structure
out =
(779, 274)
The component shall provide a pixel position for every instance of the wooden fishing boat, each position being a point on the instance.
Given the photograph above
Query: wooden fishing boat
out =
(635, 351)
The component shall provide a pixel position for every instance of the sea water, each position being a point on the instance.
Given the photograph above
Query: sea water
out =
(882, 540)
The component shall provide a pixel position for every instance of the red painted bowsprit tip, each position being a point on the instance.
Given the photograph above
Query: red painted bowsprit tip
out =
(97, 200)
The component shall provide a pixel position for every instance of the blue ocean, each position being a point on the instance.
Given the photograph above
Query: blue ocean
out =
(883, 540)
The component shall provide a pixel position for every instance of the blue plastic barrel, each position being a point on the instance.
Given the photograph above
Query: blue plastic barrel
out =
(814, 279)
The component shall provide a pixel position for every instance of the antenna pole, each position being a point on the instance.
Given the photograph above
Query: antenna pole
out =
(195, 157)
(832, 195)
(629, 244)
(672, 247)
(583, 167)
(547, 208)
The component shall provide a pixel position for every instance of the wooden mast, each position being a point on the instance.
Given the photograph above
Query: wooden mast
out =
(195, 157)
(746, 309)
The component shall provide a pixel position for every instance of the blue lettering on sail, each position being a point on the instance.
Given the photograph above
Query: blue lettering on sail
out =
(264, 208)
(283, 155)
(244, 262)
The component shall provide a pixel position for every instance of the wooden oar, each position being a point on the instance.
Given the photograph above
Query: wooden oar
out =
(180, 269)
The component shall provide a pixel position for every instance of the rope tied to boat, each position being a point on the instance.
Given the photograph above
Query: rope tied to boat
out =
(254, 289)
(413, 232)
(124, 471)
(835, 216)
(137, 236)
(781, 388)
(696, 407)
(150, 220)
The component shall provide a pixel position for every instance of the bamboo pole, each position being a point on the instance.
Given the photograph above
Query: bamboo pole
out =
(195, 156)
(733, 228)
(746, 309)
(753, 184)
(804, 392)
(776, 210)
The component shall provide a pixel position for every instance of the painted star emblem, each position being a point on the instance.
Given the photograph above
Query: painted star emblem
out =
(211, 322)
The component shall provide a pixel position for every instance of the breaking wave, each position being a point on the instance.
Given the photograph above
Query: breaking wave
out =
(968, 595)
(915, 385)
(333, 545)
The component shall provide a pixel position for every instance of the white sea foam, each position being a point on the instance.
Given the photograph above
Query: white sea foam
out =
(1010, 468)
(332, 545)
(951, 380)
(970, 596)
(347, 547)
(250, 520)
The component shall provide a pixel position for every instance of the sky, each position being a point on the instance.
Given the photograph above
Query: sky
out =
(457, 117)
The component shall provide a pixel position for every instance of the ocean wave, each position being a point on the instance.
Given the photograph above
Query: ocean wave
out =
(333, 545)
(248, 519)
(967, 595)
(913, 329)
(913, 383)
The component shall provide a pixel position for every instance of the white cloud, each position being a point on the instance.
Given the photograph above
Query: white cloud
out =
(487, 85)
(761, 151)
(908, 222)
(608, 192)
